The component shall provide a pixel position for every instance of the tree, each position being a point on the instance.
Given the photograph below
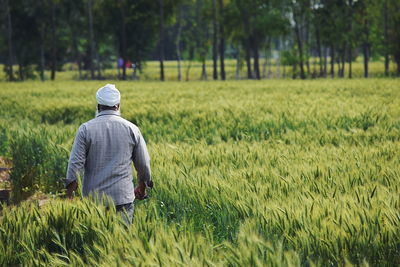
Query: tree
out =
(179, 16)
(386, 35)
(41, 35)
(301, 11)
(393, 32)
(259, 21)
(25, 23)
(54, 40)
(366, 15)
(215, 40)
(317, 21)
(9, 66)
(5, 11)
(74, 12)
(298, 8)
(350, 36)
(202, 36)
(237, 28)
(161, 42)
(91, 38)
(134, 27)
(221, 39)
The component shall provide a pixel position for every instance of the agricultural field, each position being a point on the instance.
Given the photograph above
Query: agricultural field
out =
(246, 173)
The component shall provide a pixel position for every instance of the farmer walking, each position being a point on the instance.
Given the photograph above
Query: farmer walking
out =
(103, 152)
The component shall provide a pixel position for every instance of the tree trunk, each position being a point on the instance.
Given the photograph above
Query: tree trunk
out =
(307, 38)
(350, 62)
(256, 58)
(342, 60)
(366, 48)
(214, 41)
(91, 40)
(299, 44)
(123, 44)
(53, 42)
(386, 37)
(325, 61)
(248, 59)
(350, 43)
(264, 67)
(178, 41)
(247, 44)
(319, 51)
(42, 60)
(332, 61)
(161, 45)
(221, 41)
(203, 71)
(202, 36)
(98, 66)
(10, 71)
(338, 65)
(278, 62)
(366, 59)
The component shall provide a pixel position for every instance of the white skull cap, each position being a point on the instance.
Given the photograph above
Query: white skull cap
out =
(108, 95)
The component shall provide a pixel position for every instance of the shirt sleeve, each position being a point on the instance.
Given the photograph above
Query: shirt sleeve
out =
(77, 158)
(141, 160)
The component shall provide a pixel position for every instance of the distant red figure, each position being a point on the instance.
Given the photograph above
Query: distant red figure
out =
(128, 64)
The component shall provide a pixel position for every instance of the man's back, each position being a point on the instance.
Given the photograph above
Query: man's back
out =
(105, 148)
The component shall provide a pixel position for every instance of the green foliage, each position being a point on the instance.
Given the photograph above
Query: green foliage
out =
(284, 173)
(4, 141)
(43, 35)
(39, 164)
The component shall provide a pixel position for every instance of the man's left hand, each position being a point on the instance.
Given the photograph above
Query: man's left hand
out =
(140, 191)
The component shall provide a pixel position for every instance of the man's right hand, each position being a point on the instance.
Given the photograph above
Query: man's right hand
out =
(71, 187)
(140, 191)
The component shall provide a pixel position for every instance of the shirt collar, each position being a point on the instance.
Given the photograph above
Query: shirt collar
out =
(108, 112)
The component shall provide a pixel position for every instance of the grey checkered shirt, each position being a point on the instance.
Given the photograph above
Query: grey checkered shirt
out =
(103, 151)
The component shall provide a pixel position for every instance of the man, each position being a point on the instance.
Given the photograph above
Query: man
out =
(103, 151)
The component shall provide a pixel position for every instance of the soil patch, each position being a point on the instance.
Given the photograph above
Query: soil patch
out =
(5, 168)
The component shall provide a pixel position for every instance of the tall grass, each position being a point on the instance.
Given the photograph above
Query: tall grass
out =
(38, 164)
(284, 173)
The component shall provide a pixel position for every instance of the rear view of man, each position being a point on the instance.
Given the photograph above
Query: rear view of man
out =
(103, 151)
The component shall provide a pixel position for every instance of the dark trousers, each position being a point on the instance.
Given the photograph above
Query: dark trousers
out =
(126, 211)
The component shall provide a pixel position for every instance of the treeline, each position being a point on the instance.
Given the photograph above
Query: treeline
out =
(317, 38)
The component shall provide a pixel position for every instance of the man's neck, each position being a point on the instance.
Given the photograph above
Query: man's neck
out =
(108, 112)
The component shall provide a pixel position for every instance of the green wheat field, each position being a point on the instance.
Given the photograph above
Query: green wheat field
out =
(246, 173)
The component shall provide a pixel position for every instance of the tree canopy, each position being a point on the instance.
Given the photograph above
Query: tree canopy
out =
(45, 34)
